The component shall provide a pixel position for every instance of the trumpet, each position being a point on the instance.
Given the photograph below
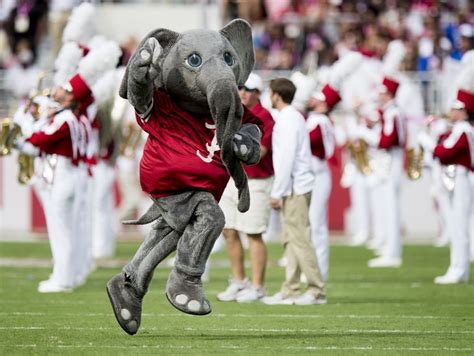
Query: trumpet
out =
(415, 163)
(358, 151)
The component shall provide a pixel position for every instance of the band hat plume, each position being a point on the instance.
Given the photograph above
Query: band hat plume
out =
(81, 25)
(391, 67)
(66, 63)
(92, 67)
(305, 85)
(339, 71)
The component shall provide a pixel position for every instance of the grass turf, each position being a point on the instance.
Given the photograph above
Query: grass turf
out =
(370, 311)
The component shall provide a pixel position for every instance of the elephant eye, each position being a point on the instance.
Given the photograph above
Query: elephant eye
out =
(229, 60)
(194, 60)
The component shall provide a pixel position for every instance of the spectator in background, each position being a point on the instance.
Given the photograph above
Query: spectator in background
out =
(27, 22)
(291, 192)
(22, 76)
(255, 221)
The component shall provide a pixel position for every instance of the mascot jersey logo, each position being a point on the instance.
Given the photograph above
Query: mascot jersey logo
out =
(212, 148)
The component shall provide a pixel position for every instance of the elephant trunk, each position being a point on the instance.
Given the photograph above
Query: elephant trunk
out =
(226, 110)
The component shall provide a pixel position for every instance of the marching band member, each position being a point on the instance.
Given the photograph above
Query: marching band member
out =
(390, 143)
(59, 137)
(321, 134)
(439, 130)
(104, 225)
(359, 90)
(65, 138)
(95, 70)
(456, 154)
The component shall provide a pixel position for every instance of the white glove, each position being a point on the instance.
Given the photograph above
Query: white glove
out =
(426, 141)
(368, 135)
(26, 147)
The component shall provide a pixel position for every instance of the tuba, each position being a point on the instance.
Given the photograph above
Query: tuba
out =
(415, 163)
(358, 151)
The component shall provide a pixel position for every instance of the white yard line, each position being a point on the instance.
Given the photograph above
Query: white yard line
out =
(282, 316)
(260, 330)
(253, 348)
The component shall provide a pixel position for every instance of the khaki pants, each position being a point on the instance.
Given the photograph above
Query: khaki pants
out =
(299, 249)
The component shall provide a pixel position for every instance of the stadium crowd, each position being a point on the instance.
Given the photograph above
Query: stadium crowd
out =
(348, 91)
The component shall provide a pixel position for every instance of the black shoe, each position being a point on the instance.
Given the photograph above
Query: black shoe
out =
(185, 293)
(126, 303)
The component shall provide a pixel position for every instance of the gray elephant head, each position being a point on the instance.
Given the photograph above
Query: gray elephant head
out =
(201, 70)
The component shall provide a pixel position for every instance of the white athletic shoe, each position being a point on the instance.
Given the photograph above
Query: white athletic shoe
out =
(450, 278)
(230, 294)
(251, 294)
(51, 287)
(374, 245)
(278, 299)
(282, 262)
(385, 262)
(441, 242)
(359, 240)
(309, 299)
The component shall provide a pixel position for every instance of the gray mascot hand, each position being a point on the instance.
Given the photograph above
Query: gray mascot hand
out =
(246, 144)
(143, 71)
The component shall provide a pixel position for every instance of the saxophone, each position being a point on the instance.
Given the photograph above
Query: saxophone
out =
(26, 163)
(9, 132)
(132, 138)
(415, 163)
(359, 153)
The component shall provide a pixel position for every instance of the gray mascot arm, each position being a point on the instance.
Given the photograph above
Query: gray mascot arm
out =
(143, 70)
(246, 144)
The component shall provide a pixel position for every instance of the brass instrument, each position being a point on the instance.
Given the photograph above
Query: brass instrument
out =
(358, 151)
(415, 163)
(132, 138)
(8, 135)
(26, 163)
(26, 168)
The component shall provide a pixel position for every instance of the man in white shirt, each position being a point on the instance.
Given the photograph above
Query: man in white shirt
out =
(293, 183)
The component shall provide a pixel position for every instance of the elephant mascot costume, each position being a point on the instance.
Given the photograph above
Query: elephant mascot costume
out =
(184, 88)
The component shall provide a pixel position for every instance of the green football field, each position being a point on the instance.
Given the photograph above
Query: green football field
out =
(370, 311)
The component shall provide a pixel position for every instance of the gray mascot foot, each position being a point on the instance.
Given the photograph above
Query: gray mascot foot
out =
(126, 303)
(185, 293)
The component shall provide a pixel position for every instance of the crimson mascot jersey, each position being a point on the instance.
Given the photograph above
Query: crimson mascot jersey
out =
(181, 152)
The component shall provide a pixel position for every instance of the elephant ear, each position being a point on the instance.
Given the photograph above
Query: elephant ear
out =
(239, 34)
(166, 38)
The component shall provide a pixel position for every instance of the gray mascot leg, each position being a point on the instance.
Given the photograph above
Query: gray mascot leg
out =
(184, 287)
(127, 289)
